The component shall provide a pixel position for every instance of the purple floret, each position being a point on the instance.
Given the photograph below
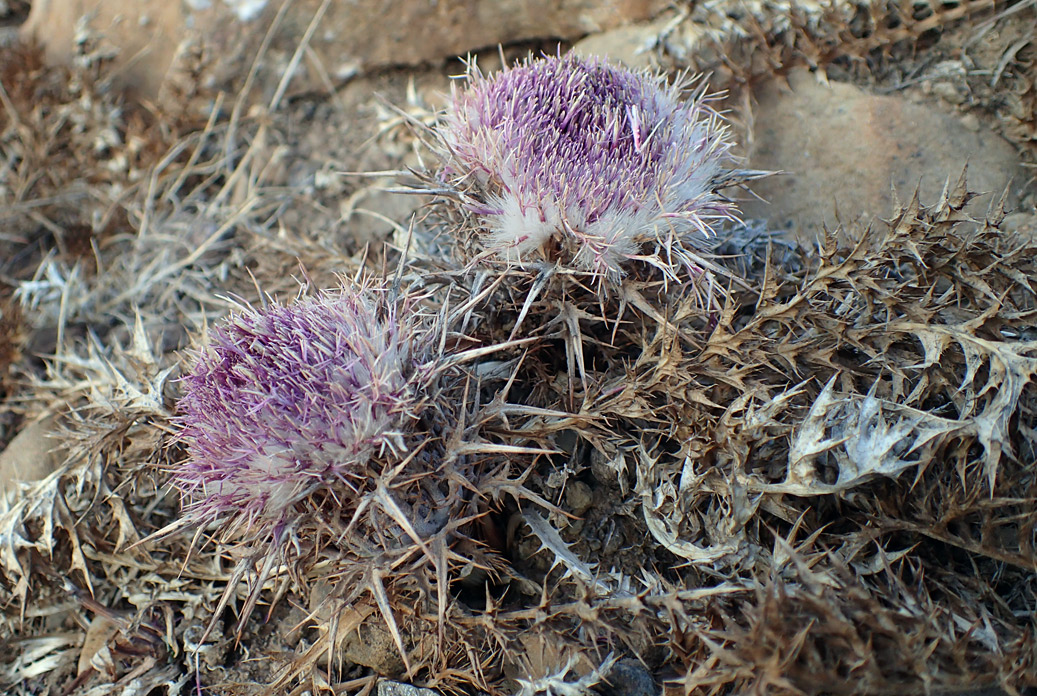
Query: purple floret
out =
(595, 157)
(289, 398)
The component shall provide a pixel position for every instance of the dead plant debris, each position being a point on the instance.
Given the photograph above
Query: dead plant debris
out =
(817, 478)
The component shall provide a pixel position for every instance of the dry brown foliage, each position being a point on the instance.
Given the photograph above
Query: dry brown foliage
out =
(811, 471)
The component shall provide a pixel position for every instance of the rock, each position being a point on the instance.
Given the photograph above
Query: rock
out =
(146, 33)
(367, 641)
(579, 496)
(843, 147)
(371, 645)
(351, 37)
(31, 456)
(629, 677)
(632, 45)
(1022, 224)
(391, 688)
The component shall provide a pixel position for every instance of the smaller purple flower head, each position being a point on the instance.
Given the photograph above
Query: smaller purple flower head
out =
(584, 162)
(284, 400)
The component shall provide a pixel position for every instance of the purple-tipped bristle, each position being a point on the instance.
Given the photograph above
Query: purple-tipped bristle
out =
(587, 153)
(287, 398)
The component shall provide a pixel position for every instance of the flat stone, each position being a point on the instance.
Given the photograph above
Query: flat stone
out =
(1023, 224)
(391, 688)
(579, 496)
(631, 45)
(372, 645)
(145, 33)
(351, 37)
(30, 456)
(629, 677)
(843, 149)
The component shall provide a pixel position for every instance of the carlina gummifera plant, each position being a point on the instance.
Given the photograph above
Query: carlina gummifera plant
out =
(591, 165)
(317, 431)
(291, 398)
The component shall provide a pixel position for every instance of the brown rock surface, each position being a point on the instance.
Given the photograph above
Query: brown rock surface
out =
(146, 33)
(30, 456)
(843, 149)
(349, 37)
(631, 45)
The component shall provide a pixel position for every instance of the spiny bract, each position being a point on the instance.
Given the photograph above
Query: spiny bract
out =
(587, 158)
(292, 397)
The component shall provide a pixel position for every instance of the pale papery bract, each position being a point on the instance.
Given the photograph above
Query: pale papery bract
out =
(588, 162)
(286, 399)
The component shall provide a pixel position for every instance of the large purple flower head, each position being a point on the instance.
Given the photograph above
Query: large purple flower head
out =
(289, 398)
(587, 163)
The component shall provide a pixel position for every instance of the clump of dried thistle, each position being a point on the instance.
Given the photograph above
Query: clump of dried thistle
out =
(851, 566)
(331, 436)
(293, 397)
(590, 165)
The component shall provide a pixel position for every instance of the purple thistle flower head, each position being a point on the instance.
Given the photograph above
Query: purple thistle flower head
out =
(292, 397)
(587, 162)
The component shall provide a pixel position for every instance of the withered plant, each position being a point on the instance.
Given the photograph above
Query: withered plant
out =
(747, 467)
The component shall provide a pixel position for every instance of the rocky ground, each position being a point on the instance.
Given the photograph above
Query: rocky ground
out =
(147, 179)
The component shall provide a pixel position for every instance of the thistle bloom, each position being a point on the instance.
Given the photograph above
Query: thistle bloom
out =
(289, 398)
(586, 162)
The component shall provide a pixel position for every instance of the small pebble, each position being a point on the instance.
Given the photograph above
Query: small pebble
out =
(628, 677)
(391, 688)
(579, 496)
